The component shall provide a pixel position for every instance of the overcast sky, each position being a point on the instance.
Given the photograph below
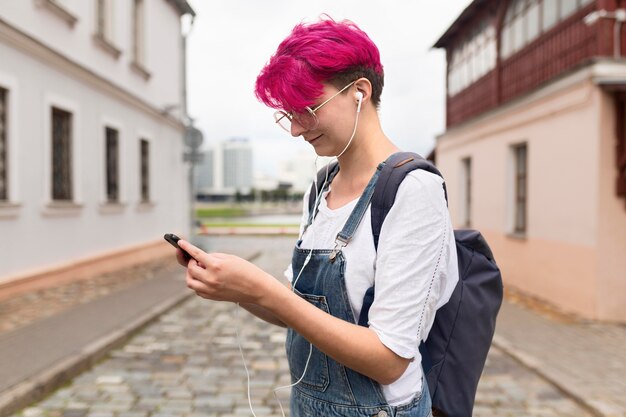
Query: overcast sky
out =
(232, 39)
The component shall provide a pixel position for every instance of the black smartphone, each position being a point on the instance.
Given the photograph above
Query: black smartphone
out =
(173, 240)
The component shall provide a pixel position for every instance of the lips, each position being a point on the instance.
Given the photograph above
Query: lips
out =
(312, 140)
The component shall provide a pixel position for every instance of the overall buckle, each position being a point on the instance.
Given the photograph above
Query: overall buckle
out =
(340, 243)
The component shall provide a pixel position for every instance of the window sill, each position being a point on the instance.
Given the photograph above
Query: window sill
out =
(140, 70)
(106, 45)
(62, 209)
(58, 10)
(145, 206)
(112, 208)
(9, 209)
(516, 235)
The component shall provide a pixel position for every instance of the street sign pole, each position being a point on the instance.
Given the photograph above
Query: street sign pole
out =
(193, 140)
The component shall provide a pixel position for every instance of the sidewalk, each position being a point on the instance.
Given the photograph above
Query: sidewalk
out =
(585, 360)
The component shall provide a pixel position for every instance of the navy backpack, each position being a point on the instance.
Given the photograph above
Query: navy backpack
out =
(454, 354)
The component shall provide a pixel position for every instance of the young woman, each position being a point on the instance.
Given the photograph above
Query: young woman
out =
(326, 80)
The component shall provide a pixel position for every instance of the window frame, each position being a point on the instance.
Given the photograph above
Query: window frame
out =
(519, 180)
(470, 60)
(11, 206)
(5, 164)
(138, 45)
(516, 23)
(117, 198)
(145, 193)
(104, 23)
(466, 191)
(62, 207)
(65, 194)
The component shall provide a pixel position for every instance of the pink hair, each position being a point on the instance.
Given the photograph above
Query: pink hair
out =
(312, 54)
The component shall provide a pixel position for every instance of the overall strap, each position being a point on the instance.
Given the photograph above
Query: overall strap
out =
(347, 232)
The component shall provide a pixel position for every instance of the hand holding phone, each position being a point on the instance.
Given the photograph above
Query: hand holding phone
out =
(173, 240)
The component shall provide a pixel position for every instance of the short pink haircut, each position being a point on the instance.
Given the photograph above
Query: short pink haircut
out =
(322, 52)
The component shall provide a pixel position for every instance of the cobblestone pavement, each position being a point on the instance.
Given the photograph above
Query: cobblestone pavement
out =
(187, 363)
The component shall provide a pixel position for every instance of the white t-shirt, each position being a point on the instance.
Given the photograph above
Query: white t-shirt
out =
(415, 268)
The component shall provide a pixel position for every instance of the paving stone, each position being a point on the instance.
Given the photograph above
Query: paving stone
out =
(33, 412)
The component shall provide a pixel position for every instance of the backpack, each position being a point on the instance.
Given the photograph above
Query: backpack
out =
(454, 354)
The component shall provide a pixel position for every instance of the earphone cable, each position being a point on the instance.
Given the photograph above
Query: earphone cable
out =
(245, 366)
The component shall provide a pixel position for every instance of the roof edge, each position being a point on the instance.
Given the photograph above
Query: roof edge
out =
(183, 7)
(454, 27)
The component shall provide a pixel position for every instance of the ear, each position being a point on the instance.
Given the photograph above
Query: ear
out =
(363, 86)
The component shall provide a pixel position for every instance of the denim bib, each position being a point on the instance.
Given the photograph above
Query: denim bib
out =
(328, 388)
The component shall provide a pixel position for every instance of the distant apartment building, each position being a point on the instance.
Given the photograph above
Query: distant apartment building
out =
(225, 170)
(91, 126)
(534, 150)
(237, 165)
(204, 172)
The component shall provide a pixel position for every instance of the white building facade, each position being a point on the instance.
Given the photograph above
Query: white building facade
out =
(91, 127)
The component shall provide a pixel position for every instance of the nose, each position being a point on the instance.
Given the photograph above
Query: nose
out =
(296, 128)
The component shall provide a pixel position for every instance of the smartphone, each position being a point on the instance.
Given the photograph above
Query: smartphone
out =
(173, 240)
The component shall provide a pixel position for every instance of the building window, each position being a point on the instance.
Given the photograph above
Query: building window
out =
(60, 9)
(4, 155)
(550, 11)
(466, 191)
(520, 159)
(567, 8)
(103, 19)
(61, 155)
(144, 156)
(138, 32)
(620, 148)
(104, 36)
(525, 20)
(473, 58)
(112, 165)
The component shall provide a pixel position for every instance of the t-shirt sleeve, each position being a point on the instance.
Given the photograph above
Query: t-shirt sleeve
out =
(303, 221)
(411, 265)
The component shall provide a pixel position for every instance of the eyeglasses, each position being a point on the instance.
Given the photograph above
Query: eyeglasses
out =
(308, 120)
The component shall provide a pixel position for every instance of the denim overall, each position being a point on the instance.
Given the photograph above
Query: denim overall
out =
(328, 388)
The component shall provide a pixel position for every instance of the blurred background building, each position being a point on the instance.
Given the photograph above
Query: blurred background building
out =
(535, 145)
(92, 116)
(299, 170)
(226, 169)
(237, 165)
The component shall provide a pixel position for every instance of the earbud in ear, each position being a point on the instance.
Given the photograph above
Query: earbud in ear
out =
(359, 96)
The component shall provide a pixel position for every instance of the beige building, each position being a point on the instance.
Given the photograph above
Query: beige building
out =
(534, 152)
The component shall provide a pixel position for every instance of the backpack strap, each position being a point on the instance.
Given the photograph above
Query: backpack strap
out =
(324, 177)
(396, 168)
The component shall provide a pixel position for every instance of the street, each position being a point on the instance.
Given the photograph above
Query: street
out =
(187, 363)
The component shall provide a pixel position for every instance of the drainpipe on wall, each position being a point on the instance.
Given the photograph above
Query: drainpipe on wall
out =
(620, 17)
(193, 137)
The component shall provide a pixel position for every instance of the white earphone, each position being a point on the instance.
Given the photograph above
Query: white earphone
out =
(359, 97)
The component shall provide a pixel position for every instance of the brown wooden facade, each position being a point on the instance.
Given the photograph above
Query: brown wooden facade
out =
(565, 47)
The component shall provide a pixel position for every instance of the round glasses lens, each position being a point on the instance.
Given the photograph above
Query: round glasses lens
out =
(308, 119)
(283, 120)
